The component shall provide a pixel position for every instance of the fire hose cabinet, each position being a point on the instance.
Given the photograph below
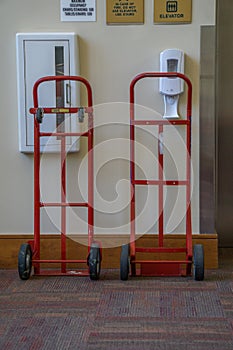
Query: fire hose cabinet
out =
(47, 54)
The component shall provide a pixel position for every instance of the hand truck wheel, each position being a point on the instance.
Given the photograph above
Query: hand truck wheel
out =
(25, 261)
(198, 262)
(94, 261)
(124, 262)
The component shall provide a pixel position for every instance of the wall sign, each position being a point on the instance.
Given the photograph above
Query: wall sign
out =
(172, 11)
(78, 10)
(125, 11)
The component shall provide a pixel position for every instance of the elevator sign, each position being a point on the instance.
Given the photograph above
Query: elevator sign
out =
(78, 10)
(172, 11)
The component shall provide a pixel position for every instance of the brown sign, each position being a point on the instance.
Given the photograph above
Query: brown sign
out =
(125, 11)
(172, 11)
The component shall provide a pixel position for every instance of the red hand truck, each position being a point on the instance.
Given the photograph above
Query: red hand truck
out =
(29, 253)
(129, 252)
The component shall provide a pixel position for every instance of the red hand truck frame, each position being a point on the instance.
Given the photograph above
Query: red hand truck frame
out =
(129, 251)
(29, 253)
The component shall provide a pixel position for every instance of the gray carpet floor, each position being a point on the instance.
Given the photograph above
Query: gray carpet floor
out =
(109, 314)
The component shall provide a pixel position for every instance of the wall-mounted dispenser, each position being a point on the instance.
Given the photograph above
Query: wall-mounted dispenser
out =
(171, 60)
(38, 55)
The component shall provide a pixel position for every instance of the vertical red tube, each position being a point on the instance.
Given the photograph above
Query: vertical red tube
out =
(132, 180)
(36, 252)
(90, 181)
(36, 248)
(90, 166)
(188, 176)
(160, 194)
(63, 200)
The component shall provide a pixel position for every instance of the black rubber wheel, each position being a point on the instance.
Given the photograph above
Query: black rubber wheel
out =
(94, 261)
(198, 262)
(25, 261)
(124, 262)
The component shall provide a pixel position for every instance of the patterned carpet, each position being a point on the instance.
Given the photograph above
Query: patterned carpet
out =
(139, 314)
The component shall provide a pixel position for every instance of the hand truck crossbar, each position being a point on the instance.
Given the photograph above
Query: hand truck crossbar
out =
(55, 261)
(160, 122)
(62, 110)
(63, 204)
(161, 182)
(160, 250)
(162, 262)
(61, 134)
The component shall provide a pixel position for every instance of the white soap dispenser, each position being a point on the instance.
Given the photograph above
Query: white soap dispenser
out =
(171, 60)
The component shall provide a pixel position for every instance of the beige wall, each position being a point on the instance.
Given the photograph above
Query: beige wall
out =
(110, 56)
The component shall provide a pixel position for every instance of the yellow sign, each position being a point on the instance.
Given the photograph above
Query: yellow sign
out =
(172, 11)
(60, 110)
(125, 11)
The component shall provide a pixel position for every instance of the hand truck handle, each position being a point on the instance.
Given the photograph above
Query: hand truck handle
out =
(164, 75)
(62, 78)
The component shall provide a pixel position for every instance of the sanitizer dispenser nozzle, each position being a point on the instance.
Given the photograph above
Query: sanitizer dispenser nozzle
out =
(171, 60)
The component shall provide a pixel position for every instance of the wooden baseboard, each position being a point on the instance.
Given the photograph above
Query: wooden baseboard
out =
(77, 249)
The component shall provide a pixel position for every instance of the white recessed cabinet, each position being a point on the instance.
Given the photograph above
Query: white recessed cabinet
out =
(39, 55)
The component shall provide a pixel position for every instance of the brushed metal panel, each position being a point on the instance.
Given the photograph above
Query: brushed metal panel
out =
(224, 118)
(207, 130)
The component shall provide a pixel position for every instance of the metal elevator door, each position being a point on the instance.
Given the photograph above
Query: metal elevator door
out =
(207, 130)
(224, 122)
(216, 126)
